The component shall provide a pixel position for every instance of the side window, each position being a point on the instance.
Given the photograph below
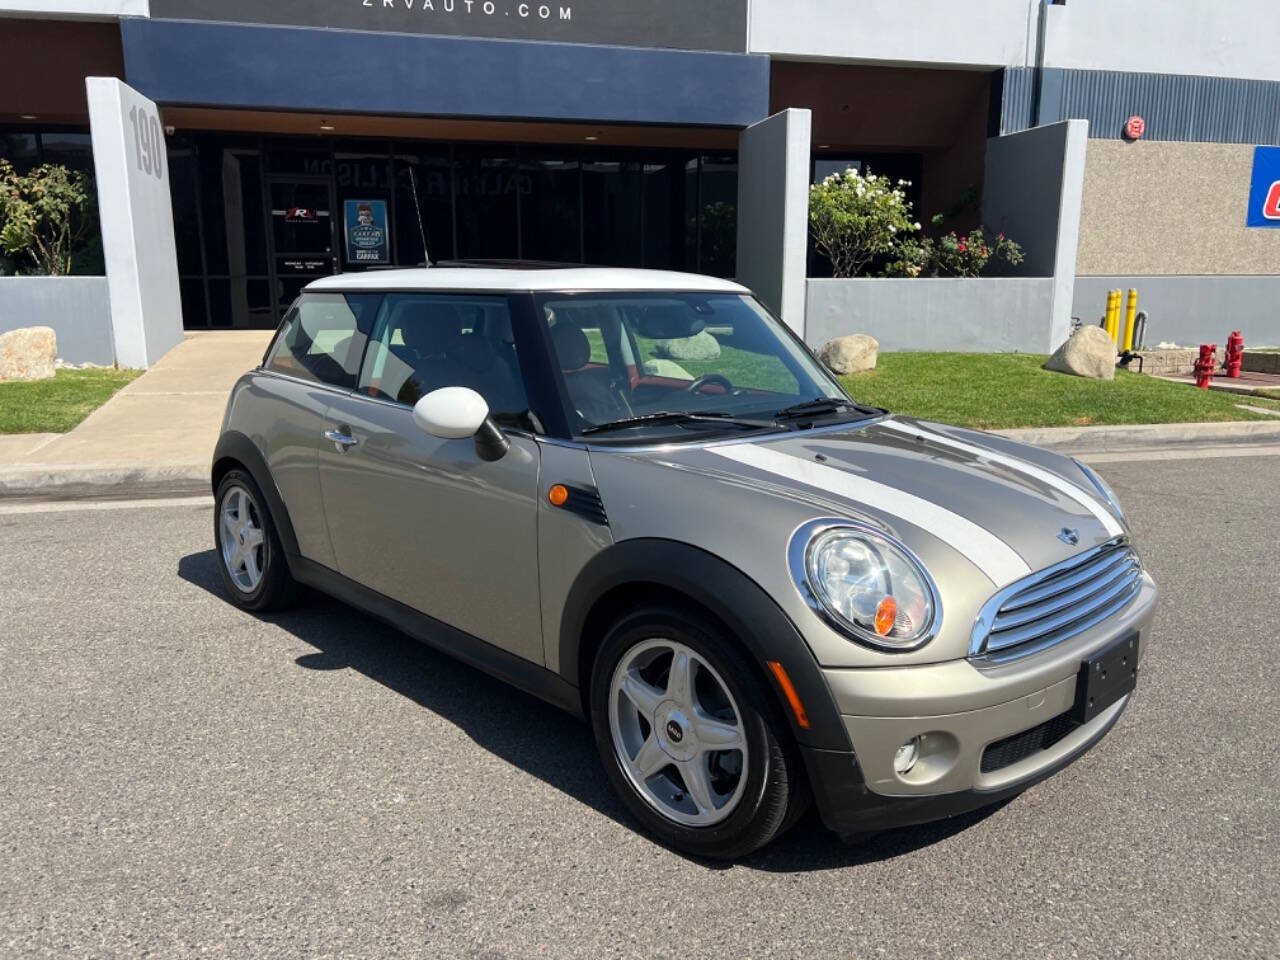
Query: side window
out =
(323, 338)
(422, 342)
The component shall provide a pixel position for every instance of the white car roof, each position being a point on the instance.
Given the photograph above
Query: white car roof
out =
(551, 279)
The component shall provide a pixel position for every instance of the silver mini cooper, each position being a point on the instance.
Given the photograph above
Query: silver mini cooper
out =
(638, 496)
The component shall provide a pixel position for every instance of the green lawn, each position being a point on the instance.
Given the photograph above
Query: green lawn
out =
(1011, 390)
(57, 405)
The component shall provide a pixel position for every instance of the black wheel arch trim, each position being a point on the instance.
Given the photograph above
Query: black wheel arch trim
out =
(729, 595)
(234, 445)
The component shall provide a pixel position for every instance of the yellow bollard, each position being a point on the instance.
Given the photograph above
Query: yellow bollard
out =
(1130, 312)
(1113, 315)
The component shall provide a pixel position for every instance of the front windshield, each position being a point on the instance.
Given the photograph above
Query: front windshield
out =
(626, 356)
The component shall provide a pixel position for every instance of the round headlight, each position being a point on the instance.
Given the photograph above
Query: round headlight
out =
(872, 586)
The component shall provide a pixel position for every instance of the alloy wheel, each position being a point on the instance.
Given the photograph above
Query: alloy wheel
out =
(677, 733)
(243, 541)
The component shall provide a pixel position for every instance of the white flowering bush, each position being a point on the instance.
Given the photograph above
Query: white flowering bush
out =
(856, 217)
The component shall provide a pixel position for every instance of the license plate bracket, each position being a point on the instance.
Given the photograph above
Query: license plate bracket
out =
(1107, 676)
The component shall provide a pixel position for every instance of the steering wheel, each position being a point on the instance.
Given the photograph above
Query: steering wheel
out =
(708, 378)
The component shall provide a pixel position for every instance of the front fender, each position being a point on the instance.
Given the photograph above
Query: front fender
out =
(740, 603)
(236, 446)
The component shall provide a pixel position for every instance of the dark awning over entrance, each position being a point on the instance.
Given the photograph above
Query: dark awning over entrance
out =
(289, 68)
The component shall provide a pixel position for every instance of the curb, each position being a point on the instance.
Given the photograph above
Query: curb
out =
(1149, 436)
(85, 481)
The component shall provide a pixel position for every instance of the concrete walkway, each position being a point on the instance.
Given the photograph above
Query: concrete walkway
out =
(161, 428)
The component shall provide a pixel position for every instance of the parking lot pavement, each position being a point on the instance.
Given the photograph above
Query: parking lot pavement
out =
(182, 778)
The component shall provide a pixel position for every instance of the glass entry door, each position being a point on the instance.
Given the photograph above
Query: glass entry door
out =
(303, 234)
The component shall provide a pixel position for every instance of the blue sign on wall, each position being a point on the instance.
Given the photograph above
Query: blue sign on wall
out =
(1264, 190)
(366, 232)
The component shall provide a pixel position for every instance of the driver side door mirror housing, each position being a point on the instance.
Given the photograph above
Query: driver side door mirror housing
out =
(455, 413)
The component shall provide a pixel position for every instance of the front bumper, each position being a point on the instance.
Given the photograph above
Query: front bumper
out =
(960, 708)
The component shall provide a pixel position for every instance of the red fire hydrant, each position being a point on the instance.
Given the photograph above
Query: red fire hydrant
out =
(1235, 354)
(1205, 364)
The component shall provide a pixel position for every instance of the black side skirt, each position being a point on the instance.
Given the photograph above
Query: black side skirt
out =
(528, 676)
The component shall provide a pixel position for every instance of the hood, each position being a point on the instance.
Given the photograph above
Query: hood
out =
(1010, 510)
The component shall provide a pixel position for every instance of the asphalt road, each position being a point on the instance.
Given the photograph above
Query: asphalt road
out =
(179, 778)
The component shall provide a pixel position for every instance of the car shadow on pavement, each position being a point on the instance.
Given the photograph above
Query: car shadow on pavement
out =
(538, 738)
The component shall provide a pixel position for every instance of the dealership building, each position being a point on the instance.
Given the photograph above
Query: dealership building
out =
(243, 148)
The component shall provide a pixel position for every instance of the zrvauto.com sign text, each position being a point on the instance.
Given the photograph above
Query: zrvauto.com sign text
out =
(680, 24)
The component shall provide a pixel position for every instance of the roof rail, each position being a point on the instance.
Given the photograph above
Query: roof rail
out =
(501, 264)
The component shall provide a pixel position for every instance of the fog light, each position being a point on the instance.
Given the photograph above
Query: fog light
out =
(906, 756)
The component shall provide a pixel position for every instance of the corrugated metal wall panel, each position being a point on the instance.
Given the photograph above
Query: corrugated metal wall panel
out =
(1205, 109)
(1017, 105)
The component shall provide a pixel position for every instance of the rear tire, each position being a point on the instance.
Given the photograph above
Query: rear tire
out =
(252, 563)
(690, 736)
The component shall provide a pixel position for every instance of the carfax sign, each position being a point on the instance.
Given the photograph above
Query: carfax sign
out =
(1264, 190)
(366, 231)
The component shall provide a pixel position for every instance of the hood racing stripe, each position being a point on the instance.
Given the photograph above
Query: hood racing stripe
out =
(995, 558)
(1065, 487)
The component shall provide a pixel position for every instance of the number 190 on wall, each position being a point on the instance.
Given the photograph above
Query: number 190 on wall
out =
(148, 143)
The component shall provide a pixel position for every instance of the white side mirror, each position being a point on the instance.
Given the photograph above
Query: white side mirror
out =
(455, 413)
(451, 413)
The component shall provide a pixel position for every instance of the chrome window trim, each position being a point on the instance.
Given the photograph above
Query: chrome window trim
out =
(327, 387)
(797, 563)
(986, 616)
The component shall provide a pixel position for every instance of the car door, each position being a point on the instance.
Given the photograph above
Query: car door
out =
(314, 358)
(423, 520)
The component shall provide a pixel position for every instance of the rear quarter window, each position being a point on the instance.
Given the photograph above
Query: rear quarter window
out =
(323, 338)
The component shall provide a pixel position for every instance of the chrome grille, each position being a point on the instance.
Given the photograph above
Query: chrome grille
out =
(1058, 602)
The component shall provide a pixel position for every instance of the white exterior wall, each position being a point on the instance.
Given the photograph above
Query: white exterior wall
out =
(1191, 37)
(134, 207)
(980, 33)
(65, 9)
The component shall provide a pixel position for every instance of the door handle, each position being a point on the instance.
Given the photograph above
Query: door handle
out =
(343, 441)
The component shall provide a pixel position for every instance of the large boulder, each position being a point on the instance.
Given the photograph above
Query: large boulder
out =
(850, 354)
(701, 346)
(1089, 352)
(28, 353)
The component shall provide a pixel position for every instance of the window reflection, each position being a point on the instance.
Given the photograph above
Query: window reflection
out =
(635, 207)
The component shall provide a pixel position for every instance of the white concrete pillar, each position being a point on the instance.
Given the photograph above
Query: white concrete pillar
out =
(1033, 192)
(773, 211)
(136, 214)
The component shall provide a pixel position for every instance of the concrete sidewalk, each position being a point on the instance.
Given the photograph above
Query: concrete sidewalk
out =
(159, 431)
(156, 436)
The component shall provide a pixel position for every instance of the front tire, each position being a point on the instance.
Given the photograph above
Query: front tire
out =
(690, 737)
(250, 559)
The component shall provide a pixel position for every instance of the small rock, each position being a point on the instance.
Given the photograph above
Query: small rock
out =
(850, 354)
(1089, 352)
(666, 368)
(701, 346)
(28, 353)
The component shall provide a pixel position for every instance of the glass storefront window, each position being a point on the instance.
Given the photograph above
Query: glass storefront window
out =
(487, 189)
(20, 148)
(247, 245)
(718, 224)
(185, 193)
(423, 204)
(611, 212)
(551, 208)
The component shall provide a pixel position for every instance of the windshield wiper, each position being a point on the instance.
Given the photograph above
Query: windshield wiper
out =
(822, 405)
(679, 416)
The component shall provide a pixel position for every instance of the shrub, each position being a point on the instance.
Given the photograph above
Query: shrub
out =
(856, 217)
(953, 255)
(44, 215)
